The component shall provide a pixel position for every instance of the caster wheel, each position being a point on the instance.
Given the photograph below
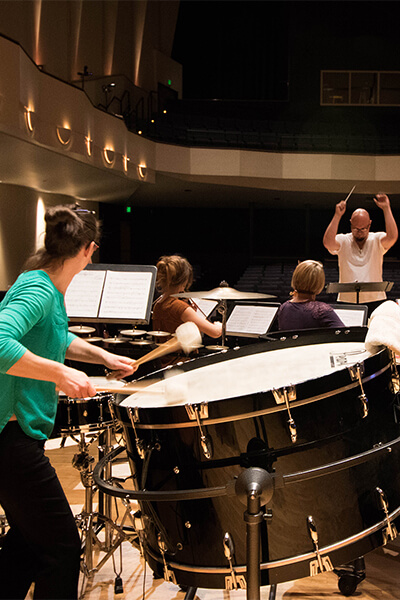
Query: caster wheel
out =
(348, 584)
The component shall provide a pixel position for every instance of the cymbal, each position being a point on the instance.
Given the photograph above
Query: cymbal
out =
(159, 334)
(116, 340)
(224, 293)
(81, 329)
(93, 339)
(133, 332)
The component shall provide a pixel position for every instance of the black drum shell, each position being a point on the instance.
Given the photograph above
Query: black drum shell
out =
(83, 414)
(251, 431)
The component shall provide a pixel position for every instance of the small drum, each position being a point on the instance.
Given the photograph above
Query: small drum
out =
(316, 411)
(88, 415)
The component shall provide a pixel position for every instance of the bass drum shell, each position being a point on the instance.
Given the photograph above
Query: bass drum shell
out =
(333, 425)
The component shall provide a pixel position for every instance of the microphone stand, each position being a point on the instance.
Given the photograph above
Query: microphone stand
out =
(254, 488)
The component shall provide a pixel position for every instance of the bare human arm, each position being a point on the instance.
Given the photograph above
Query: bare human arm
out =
(85, 352)
(329, 239)
(214, 330)
(73, 382)
(391, 236)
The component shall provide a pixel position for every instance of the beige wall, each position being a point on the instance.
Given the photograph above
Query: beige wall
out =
(18, 209)
(108, 36)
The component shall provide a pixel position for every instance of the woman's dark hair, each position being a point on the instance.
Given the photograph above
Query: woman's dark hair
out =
(68, 229)
(172, 271)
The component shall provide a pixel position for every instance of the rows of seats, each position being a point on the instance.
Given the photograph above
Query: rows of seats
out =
(271, 134)
(276, 141)
(274, 278)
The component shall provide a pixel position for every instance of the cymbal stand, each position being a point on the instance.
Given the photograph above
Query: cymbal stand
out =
(223, 310)
(91, 523)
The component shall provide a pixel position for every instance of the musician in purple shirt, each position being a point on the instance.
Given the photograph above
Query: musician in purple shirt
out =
(303, 311)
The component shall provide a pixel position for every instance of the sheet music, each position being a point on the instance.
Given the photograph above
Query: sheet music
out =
(125, 295)
(247, 320)
(207, 306)
(351, 318)
(83, 295)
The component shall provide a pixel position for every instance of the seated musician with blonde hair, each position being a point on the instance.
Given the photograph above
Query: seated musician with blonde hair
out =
(303, 311)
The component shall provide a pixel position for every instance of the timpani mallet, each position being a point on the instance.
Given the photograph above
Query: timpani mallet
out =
(187, 338)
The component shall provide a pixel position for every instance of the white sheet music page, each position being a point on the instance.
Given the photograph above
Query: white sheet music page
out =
(125, 295)
(250, 319)
(351, 318)
(83, 295)
(207, 306)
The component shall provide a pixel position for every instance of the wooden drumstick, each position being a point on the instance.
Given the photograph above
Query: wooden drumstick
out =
(187, 337)
(128, 388)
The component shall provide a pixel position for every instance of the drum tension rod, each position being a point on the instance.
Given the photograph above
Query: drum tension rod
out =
(168, 575)
(395, 384)
(323, 563)
(390, 533)
(134, 417)
(233, 581)
(356, 373)
(197, 412)
(285, 395)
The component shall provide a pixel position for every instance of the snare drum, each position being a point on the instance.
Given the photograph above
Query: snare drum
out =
(318, 413)
(90, 414)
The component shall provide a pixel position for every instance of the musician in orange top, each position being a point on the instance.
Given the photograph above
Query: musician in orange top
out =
(175, 275)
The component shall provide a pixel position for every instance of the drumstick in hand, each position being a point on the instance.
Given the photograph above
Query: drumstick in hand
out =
(187, 337)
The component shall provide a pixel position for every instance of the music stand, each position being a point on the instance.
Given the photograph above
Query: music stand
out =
(359, 286)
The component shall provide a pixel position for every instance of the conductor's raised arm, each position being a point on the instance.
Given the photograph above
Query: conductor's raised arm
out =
(329, 239)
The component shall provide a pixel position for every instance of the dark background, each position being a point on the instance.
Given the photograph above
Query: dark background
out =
(260, 60)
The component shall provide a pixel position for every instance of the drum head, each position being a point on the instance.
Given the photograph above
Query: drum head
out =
(232, 376)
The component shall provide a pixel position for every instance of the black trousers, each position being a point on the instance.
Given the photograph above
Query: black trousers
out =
(42, 544)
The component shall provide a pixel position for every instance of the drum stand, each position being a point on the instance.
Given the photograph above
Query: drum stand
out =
(92, 523)
(254, 488)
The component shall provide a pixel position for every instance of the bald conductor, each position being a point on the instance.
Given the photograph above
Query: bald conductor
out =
(360, 253)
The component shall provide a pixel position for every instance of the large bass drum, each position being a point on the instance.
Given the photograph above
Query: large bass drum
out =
(316, 411)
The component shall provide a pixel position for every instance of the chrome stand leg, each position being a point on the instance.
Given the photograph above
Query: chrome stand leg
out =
(92, 523)
(190, 593)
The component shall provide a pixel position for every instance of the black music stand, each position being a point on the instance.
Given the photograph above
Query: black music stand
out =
(359, 286)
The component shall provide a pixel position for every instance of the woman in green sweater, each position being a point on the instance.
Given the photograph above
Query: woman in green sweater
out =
(42, 544)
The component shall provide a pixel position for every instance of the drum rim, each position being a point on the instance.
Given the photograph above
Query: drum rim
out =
(323, 551)
(134, 412)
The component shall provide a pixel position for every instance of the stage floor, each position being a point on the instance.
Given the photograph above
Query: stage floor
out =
(382, 566)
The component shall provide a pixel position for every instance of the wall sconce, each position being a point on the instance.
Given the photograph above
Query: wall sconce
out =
(125, 161)
(142, 170)
(88, 144)
(109, 155)
(64, 135)
(29, 118)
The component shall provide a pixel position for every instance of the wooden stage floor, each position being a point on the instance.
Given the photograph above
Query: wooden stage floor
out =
(382, 566)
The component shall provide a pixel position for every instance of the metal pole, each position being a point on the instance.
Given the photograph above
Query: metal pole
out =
(254, 488)
(253, 518)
